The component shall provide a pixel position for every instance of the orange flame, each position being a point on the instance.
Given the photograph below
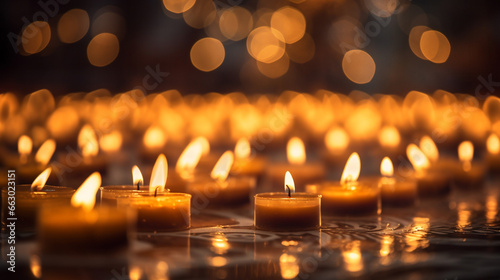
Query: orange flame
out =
(154, 138)
(111, 142)
(465, 154)
(389, 137)
(336, 139)
(493, 144)
(85, 195)
(428, 147)
(386, 168)
(137, 176)
(223, 166)
(351, 169)
(40, 180)
(242, 149)
(87, 141)
(45, 152)
(295, 151)
(190, 157)
(24, 146)
(159, 175)
(417, 158)
(289, 183)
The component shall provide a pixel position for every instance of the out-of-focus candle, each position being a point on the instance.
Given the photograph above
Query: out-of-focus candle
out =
(109, 194)
(246, 164)
(287, 211)
(429, 182)
(493, 153)
(337, 142)
(444, 165)
(469, 174)
(395, 192)
(349, 197)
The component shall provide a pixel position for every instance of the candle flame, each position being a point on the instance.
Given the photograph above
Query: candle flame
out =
(205, 145)
(295, 151)
(87, 141)
(45, 152)
(465, 154)
(289, 183)
(429, 148)
(137, 176)
(40, 180)
(24, 146)
(242, 149)
(85, 195)
(159, 175)
(417, 158)
(189, 157)
(154, 137)
(389, 137)
(336, 139)
(35, 266)
(223, 166)
(351, 169)
(386, 168)
(111, 142)
(493, 144)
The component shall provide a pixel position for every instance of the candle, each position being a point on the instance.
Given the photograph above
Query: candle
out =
(336, 141)
(429, 182)
(29, 200)
(159, 211)
(444, 165)
(218, 190)
(493, 153)
(349, 197)
(109, 194)
(469, 174)
(80, 228)
(245, 163)
(395, 192)
(304, 172)
(287, 211)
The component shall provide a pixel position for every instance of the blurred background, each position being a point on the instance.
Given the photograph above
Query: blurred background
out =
(252, 46)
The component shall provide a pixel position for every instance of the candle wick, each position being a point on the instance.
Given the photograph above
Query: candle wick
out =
(139, 183)
(289, 191)
(156, 191)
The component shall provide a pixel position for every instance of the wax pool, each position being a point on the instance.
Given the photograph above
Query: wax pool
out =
(279, 212)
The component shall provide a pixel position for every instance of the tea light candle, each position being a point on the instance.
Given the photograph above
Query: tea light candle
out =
(80, 228)
(109, 194)
(304, 172)
(287, 211)
(29, 200)
(245, 163)
(395, 193)
(493, 153)
(469, 174)
(220, 191)
(429, 183)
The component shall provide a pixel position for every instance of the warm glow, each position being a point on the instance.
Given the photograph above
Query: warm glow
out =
(301, 51)
(45, 152)
(353, 261)
(429, 148)
(265, 44)
(463, 216)
(435, 46)
(417, 158)
(73, 25)
(290, 22)
(491, 207)
(276, 68)
(35, 37)
(137, 176)
(387, 245)
(223, 166)
(386, 168)
(235, 23)
(242, 149)
(85, 195)
(295, 151)
(493, 144)
(414, 40)
(465, 154)
(389, 137)
(103, 49)
(190, 157)
(40, 180)
(159, 175)
(24, 146)
(111, 142)
(36, 266)
(205, 145)
(336, 139)
(289, 266)
(289, 183)
(202, 14)
(178, 6)
(220, 244)
(87, 141)
(351, 169)
(207, 54)
(154, 138)
(358, 66)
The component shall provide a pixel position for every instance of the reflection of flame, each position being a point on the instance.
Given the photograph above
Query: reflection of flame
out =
(111, 142)
(289, 266)
(491, 208)
(336, 139)
(289, 184)
(218, 261)
(351, 169)
(386, 168)
(137, 176)
(465, 154)
(387, 245)
(417, 158)
(493, 144)
(428, 147)
(389, 137)
(242, 149)
(417, 237)
(296, 151)
(87, 141)
(159, 175)
(40, 181)
(353, 260)
(85, 195)
(45, 152)
(223, 166)
(24, 146)
(35, 266)
(464, 214)
(220, 244)
(154, 138)
(190, 157)
(135, 273)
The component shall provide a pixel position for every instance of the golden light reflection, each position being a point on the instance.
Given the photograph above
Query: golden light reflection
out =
(45, 152)
(242, 150)
(387, 245)
(351, 254)
(351, 170)
(386, 167)
(103, 49)
(417, 237)
(137, 178)
(235, 23)
(265, 44)
(417, 158)
(85, 195)
(159, 175)
(491, 206)
(35, 37)
(389, 137)
(73, 25)
(429, 148)
(111, 142)
(40, 180)
(358, 66)
(87, 141)
(336, 140)
(435, 46)
(223, 166)
(220, 244)
(24, 147)
(295, 151)
(218, 261)
(36, 266)
(207, 54)
(465, 154)
(178, 6)
(289, 266)
(290, 22)
(135, 273)
(154, 138)
(463, 216)
(289, 184)
(493, 144)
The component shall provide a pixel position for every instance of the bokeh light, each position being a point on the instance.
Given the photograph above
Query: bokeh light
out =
(435, 46)
(178, 6)
(275, 69)
(235, 23)
(201, 14)
(358, 66)
(73, 25)
(265, 45)
(303, 50)
(207, 54)
(414, 40)
(290, 22)
(36, 37)
(103, 49)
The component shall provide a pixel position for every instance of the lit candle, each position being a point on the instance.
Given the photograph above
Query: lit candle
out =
(185, 167)
(469, 174)
(219, 190)
(29, 200)
(303, 172)
(493, 153)
(246, 164)
(287, 211)
(444, 165)
(349, 197)
(159, 211)
(80, 228)
(429, 182)
(336, 141)
(395, 192)
(109, 194)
